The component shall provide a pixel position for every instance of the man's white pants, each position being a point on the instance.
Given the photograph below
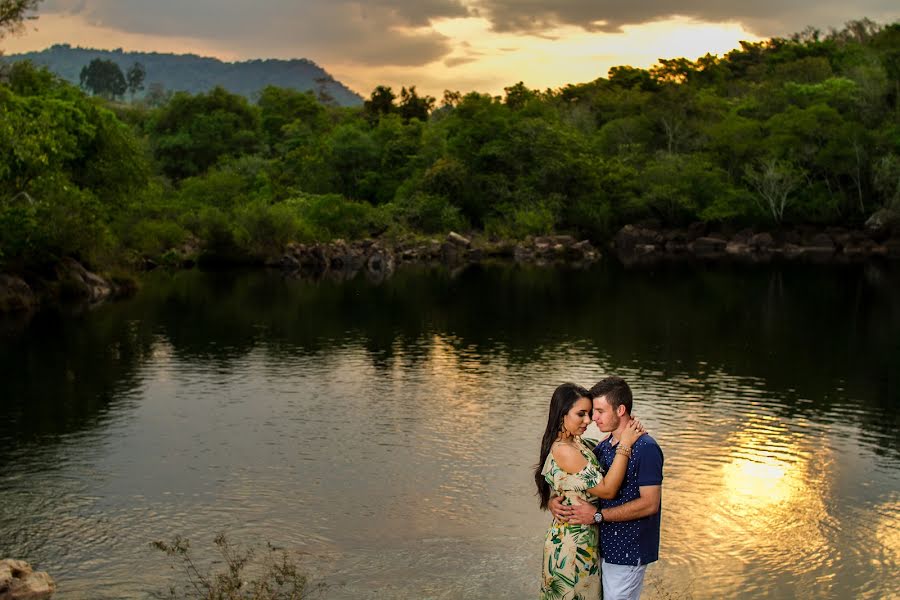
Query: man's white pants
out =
(622, 582)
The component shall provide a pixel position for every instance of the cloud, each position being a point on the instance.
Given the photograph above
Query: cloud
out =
(381, 32)
(455, 61)
(765, 17)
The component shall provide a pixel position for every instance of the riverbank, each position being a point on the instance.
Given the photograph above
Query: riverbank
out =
(67, 282)
(647, 244)
(633, 245)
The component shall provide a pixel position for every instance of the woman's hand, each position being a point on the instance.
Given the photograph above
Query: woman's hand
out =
(632, 432)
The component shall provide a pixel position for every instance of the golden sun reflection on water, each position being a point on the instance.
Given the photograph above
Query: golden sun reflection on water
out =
(755, 483)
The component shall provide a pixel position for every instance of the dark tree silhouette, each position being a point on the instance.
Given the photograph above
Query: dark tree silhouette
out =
(103, 78)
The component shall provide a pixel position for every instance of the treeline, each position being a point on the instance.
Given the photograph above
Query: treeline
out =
(798, 130)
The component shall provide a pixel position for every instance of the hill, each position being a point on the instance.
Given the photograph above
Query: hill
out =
(195, 74)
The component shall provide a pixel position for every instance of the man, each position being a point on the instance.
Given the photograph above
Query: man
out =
(629, 523)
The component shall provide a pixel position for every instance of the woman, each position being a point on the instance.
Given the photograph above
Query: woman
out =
(569, 468)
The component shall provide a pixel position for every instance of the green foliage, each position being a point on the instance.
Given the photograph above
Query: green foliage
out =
(332, 216)
(428, 213)
(66, 167)
(266, 228)
(288, 114)
(192, 133)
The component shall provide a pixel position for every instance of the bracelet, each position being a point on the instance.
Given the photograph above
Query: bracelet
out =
(623, 451)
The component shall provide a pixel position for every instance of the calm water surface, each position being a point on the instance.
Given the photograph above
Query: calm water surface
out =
(386, 431)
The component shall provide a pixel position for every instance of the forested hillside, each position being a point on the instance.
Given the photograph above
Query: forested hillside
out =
(196, 74)
(800, 130)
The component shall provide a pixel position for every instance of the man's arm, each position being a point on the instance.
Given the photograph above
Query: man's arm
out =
(582, 513)
(647, 504)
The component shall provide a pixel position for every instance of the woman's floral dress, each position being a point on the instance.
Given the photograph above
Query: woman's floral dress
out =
(571, 560)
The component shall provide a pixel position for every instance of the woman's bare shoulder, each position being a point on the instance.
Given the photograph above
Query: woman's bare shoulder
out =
(569, 458)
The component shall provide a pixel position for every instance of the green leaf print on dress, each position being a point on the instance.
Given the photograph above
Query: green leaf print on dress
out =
(571, 562)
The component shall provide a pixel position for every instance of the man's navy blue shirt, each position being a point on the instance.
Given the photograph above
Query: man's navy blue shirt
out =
(632, 542)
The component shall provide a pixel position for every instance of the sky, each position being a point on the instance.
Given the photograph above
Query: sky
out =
(463, 45)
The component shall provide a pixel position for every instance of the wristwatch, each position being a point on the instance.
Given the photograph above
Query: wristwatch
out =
(598, 517)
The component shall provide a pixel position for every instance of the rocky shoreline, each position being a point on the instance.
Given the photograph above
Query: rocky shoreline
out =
(69, 281)
(633, 245)
(340, 259)
(637, 245)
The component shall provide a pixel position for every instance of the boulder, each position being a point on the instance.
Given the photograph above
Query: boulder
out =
(708, 246)
(737, 248)
(584, 250)
(80, 283)
(821, 240)
(18, 581)
(458, 240)
(884, 220)
(15, 294)
(820, 248)
(628, 240)
(762, 242)
(380, 261)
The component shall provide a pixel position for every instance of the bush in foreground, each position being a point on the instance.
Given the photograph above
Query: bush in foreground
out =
(273, 577)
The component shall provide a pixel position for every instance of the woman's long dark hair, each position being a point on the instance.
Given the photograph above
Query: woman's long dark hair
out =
(560, 404)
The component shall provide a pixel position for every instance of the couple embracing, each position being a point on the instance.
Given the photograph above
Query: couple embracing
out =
(605, 497)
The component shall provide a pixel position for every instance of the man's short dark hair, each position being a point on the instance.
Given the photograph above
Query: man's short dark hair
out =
(616, 391)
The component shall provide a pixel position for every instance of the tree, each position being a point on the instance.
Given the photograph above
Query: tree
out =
(380, 103)
(135, 77)
(517, 96)
(774, 181)
(14, 13)
(413, 106)
(191, 133)
(103, 78)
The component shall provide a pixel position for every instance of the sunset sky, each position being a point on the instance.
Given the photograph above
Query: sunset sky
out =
(464, 45)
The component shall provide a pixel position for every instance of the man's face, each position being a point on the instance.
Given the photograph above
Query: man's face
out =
(604, 415)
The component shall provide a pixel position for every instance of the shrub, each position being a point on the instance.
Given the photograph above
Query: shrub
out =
(265, 228)
(330, 216)
(279, 577)
(429, 213)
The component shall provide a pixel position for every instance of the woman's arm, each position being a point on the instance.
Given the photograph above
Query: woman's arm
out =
(612, 481)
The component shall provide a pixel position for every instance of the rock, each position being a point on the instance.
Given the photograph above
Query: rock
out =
(80, 283)
(676, 246)
(743, 236)
(859, 247)
(381, 261)
(737, 248)
(793, 250)
(584, 250)
(820, 248)
(821, 240)
(629, 237)
(522, 253)
(762, 242)
(696, 230)
(18, 581)
(458, 240)
(708, 246)
(450, 252)
(15, 294)
(883, 220)
(474, 255)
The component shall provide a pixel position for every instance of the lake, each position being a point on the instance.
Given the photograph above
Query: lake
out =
(387, 430)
